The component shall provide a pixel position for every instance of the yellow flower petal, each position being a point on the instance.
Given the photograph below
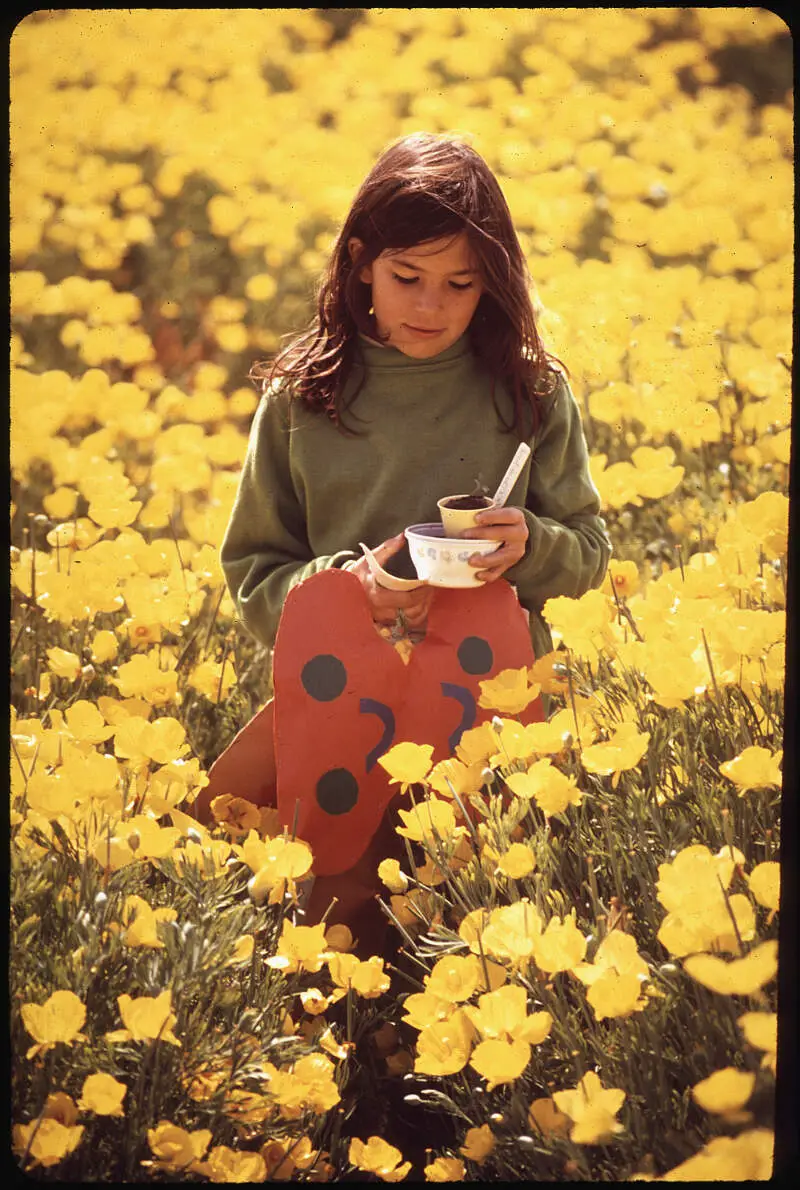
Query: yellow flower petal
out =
(407, 764)
(500, 1061)
(478, 1144)
(58, 1019)
(726, 1090)
(740, 977)
(765, 884)
(103, 1095)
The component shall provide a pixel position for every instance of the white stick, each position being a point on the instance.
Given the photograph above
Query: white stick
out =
(510, 477)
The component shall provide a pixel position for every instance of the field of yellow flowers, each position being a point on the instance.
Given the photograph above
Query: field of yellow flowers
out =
(589, 912)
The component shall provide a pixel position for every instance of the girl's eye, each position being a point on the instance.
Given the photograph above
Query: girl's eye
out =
(413, 281)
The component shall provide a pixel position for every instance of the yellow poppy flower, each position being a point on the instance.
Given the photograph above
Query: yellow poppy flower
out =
(592, 1110)
(143, 677)
(765, 884)
(508, 691)
(615, 994)
(315, 1075)
(512, 932)
(544, 1116)
(754, 768)
(390, 874)
(242, 950)
(224, 1164)
(739, 977)
(431, 822)
(479, 1143)
(407, 764)
(238, 815)
(500, 1061)
(744, 1158)
(50, 1141)
(113, 510)
(444, 1046)
(281, 862)
(339, 937)
(300, 948)
(621, 751)
(445, 1169)
(142, 922)
(517, 861)
(283, 1158)
(560, 947)
(103, 1095)
(140, 742)
(725, 1091)
(551, 789)
(86, 724)
(64, 664)
(761, 1031)
(622, 578)
(477, 744)
(581, 624)
(378, 1157)
(550, 673)
(146, 1018)
(655, 475)
(60, 1106)
(367, 978)
(59, 1019)
(213, 679)
(453, 775)
(454, 978)
(426, 1008)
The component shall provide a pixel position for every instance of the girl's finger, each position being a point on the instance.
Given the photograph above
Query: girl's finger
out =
(507, 515)
(502, 558)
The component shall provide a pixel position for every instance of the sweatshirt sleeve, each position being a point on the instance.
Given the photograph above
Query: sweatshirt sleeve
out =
(568, 550)
(265, 550)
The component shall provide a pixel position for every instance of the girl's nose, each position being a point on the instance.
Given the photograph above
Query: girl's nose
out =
(428, 298)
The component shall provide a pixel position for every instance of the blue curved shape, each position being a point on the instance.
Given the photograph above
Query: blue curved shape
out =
(467, 700)
(370, 706)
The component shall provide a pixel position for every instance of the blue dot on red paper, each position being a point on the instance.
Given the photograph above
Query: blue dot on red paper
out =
(475, 655)
(324, 677)
(337, 791)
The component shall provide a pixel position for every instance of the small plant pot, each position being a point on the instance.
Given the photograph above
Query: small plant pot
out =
(459, 512)
(444, 561)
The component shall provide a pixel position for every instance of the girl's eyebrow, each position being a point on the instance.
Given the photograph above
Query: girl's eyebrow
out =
(418, 268)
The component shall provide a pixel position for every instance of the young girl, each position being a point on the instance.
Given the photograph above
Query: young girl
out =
(421, 373)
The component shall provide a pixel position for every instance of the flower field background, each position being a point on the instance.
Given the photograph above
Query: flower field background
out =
(590, 907)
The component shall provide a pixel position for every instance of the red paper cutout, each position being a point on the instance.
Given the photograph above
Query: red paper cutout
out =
(344, 696)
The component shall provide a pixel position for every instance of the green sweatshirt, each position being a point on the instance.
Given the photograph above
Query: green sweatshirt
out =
(308, 494)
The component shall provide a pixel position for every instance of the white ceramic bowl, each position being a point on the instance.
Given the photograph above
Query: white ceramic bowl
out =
(442, 561)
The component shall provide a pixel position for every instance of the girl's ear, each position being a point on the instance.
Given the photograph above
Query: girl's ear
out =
(354, 246)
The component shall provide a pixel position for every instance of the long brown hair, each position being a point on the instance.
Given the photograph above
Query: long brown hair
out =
(423, 187)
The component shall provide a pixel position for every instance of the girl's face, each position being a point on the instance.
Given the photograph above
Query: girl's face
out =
(423, 297)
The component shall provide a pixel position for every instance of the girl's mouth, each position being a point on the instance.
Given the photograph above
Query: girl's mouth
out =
(418, 330)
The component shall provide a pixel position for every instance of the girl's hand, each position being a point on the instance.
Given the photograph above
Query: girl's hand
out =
(385, 604)
(507, 526)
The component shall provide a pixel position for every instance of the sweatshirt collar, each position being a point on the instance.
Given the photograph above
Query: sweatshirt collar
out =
(377, 355)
